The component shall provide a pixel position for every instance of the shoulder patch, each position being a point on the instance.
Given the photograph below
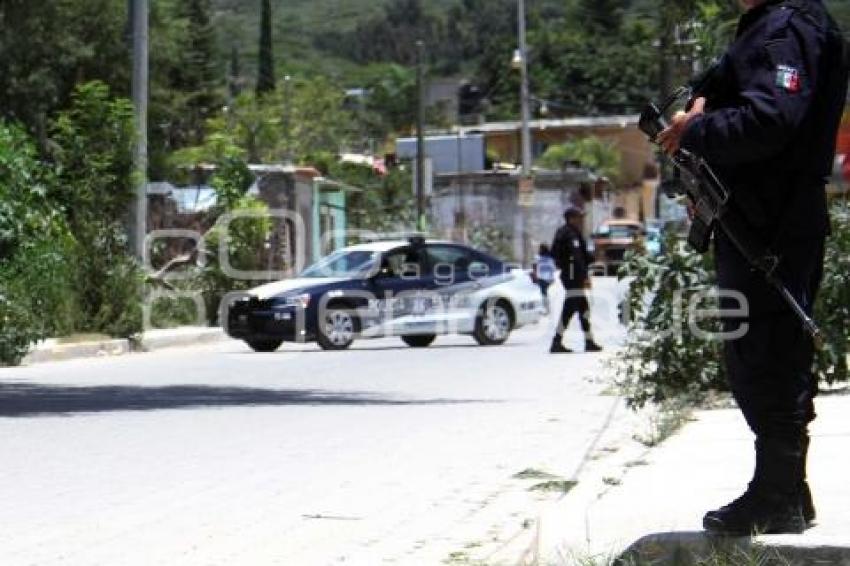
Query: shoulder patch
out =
(788, 78)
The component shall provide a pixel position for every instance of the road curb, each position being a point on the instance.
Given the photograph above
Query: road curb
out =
(653, 516)
(177, 338)
(52, 350)
(690, 549)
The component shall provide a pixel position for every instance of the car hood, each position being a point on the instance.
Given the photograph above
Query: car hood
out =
(270, 290)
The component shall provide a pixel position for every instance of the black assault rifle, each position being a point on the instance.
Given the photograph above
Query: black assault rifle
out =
(713, 209)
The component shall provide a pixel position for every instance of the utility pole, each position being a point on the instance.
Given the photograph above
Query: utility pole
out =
(139, 210)
(287, 119)
(665, 72)
(526, 182)
(420, 136)
(524, 91)
(461, 185)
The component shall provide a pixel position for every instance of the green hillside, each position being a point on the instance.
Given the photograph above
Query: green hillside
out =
(597, 55)
(298, 26)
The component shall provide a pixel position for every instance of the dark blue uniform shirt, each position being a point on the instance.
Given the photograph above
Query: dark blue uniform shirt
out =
(569, 250)
(773, 109)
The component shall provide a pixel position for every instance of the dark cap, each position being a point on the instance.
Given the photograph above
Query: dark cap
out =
(573, 210)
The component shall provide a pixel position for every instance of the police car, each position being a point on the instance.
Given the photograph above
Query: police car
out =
(414, 289)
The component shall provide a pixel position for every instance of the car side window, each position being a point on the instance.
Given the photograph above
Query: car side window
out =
(480, 269)
(403, 263)
(449, 263)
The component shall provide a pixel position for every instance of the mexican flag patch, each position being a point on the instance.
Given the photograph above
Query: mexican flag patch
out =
(788, 78)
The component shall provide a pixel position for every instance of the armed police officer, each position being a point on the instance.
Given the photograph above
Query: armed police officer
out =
(767, 122)
(569, 250)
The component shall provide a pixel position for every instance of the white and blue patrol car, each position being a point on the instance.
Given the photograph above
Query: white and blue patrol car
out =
(416, 289)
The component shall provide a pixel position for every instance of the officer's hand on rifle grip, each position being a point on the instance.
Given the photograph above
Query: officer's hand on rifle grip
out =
(670, 138)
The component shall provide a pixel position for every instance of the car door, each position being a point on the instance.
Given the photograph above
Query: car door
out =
(401, 290)
(453, 283)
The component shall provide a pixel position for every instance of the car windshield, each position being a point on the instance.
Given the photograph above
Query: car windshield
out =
(342, 264)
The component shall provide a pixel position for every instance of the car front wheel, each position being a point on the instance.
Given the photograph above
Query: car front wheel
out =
(264, 345)
(493, 324)
(419, 340)
(337, 328)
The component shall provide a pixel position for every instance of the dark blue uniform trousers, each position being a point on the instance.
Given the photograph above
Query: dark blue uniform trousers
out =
(770, 367)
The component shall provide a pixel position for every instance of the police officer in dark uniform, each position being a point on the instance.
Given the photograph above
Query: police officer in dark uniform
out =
(569, 250)
(767, 122)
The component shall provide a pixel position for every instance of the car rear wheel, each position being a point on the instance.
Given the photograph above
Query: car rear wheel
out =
(264, 345)
(419, 340)
(493, 324)
(337, 327)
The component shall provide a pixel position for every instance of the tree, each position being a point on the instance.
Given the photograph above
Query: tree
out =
(265, 65)
(49, 47)
(602, 16)
(196, 75)
(386, 203)
(234, 83)
(592, 152)
(391, 102)
(254, 125)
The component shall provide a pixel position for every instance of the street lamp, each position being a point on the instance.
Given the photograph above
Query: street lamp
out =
(516, 62)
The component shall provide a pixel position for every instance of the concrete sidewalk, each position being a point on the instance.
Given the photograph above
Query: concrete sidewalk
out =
(658, 503)
(55, 350)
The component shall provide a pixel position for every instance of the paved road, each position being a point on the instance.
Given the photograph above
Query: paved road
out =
(218, 455)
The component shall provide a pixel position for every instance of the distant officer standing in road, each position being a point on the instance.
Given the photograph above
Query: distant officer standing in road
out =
(767, 122)
(571, 256)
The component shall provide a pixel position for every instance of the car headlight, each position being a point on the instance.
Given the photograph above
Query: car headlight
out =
(298, 301)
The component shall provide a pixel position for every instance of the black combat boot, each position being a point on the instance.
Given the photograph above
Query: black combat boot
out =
(558, 346)
(772, 502)
(756, 513)
(591, 346)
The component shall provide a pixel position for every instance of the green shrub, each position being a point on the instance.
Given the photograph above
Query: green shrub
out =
(18, 327)
(117, 310)
(657, 365)
(662, 359)
(44, 270)
(64, 261)
(244, 237)
(37, 288)
(37, 300)
(172, 312)
(386, 202)
(91, 148)
(245, 241)
(833, 306)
